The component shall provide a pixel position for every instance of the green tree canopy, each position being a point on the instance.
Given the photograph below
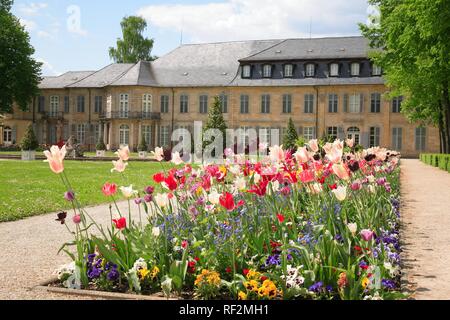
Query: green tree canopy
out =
(19, 71)
(291, 136)
(29, 141)
(412, 38)
(215, 121)
(134, 46)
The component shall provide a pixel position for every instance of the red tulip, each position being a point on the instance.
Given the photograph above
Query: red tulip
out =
(307, 176)
(280, 218)
(120, 223)
(227, 201)
(184, 244)
(159, 177)
(171, 183)
(109, 189)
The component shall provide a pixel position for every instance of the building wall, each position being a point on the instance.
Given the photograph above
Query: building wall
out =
(321, 119)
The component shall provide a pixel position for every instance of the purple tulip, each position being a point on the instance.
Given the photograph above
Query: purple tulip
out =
(69, 196)
(138, 201)
(148, 198)
(149, 190)
(367, 235)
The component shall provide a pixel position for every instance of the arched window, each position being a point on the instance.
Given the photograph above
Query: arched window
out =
(124, 135)
(7, 135)
(355, 134)
(146, 105)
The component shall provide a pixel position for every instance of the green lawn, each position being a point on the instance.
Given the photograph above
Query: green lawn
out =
(30, 188)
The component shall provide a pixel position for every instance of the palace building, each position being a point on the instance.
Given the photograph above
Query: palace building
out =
(328, 86)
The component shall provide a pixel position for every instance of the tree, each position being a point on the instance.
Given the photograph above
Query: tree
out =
(134, 46)
(29, 141)
(215, 121)
(291, 136)
(412, 42)
(143, 144)
(100, 144)
(20, 72)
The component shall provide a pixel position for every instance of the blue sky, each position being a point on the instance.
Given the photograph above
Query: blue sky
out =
(76, 34)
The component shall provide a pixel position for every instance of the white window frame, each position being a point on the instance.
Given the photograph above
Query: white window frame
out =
(287, 103)
(355, 69)
(245, 104)
(265, 103)
(308, 133)
(334, 69)
(203, 104)
(267, 71)
(147, 103)
(376, 70)
(288, 70)
(164, 103)
(374, 137)
(7, 135)
(147, 133)
(354, 103)
(332, 132)
(54, 105)
(309, 103)
(420, 134)
(333, 103)
(355, 134)
(246, 71)
(124, 105)
(265, 135)
(310, 70)
(124, 135)
(81, 133)
(397, 139)
(164, 136)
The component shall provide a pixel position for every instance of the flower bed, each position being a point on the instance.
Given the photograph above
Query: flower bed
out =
(320, 223)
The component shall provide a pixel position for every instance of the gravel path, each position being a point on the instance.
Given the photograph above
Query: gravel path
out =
(426, 230)
(28, 252)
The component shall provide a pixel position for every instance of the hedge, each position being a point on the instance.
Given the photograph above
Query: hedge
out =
(441, 161)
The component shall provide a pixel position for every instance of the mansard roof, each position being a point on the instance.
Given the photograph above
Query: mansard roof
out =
(218, 64)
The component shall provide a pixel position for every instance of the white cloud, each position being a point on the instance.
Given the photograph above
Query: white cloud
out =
(259, 19)
(32, 9)
(47, 68)
(29, 25)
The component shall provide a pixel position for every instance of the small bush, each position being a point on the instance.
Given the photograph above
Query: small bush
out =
(29, 141)
(441, 161)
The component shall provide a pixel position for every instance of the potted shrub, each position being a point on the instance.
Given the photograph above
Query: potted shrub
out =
(100, 148)
(143, 148)
(29, 145)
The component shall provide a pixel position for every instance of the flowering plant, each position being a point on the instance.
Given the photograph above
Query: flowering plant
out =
(319, 223)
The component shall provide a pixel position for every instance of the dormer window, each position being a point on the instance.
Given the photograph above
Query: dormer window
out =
(310, 70)
(334, 70)
(267, 71)
(246, 71)
(376, 70)
(288, 70)
(354, 69)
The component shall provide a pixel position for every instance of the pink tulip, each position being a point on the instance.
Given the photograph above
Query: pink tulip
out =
(109, 189)
(76, 219)
(123, 153)
(355, 186)
(350, 142)
(341, 171)
(314, 145)
(307, 176)
(367, 234)
(119, 166)
(301, 155)
(55, 158)
(276, 154)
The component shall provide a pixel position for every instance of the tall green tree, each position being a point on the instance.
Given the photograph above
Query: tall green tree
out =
(134, 46)
(19, 71)
(215, 121)
(412, 38)
(291, 136)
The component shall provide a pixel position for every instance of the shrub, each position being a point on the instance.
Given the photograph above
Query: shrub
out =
(143, 145)
(441, 161)
(29, 141)
(100, 144)
(291, 136)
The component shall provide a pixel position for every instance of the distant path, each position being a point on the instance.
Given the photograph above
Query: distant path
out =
(28, 252)
(426, 230)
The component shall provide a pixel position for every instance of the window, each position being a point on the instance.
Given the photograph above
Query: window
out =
(81, 133)
(265, 103)
(355, 134)
(164, 104)
(244, 104)
(334, 70)
(124, 107)
(267, 71)
(354, 69)
(397, 104)
(203, 104)
(184, 103)
(164, 136)
(147, 104)
(147, 134)
(66, 104)
(98, 106)
(287, 103)
(309, 133)
(124, 135)
(7, 136)
(375, 103)
(80, 104)
(41, 104)
(421, 137)
(246, 71)
(52, 134)
(332, 132)
(310, 70)
(288, 70)
(54, 106)
(333, 103)
(309, 103)
(96, 132)
(224, 103)
(245, 136)
(374, 138)
(376, 70)
(355, 103)
(397, 138)
(264, 135)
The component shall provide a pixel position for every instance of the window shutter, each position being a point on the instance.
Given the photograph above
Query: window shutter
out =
(346, 102)
(361, 101)
(341, 133)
